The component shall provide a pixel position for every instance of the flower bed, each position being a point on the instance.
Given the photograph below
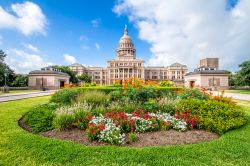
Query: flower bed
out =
(137, 107)
(111, 127)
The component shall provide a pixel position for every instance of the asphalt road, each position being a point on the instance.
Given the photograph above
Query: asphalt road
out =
(18, 96)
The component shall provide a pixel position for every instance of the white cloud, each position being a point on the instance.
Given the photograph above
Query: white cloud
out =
(85, 47)
(24, 62)
(69, 59)
(97, 46)
(31, 47)
(96, 22)
(83, 38)
(186, 31)
(26, 17)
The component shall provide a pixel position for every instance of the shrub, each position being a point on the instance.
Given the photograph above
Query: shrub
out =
(84, 120)
(194, 93)
(100, 110)
(105, 89)
(40, 118)
(191, 120)
(64, 121)
(93, 130)
(167, 84)
(93, 83)
(214, 115)
(132, 137)
(112, 134)
(65, 96)
(140, 94)
(94, 97)
(65, 117)
(116, 95)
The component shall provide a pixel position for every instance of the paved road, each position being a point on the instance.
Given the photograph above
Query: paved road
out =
(237, 96)
(18, 96)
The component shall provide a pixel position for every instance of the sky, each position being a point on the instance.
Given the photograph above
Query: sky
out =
(40, 33)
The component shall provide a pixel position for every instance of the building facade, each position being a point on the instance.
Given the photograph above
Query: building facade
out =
(47, 79)
(210, 62)
(208, 77)
(126, 65)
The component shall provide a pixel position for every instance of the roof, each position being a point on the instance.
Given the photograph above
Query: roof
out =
(221, 72)
(76, 64)
(177, 65)
(47, 72)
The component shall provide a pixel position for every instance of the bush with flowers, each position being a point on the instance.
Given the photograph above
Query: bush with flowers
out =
(109, 113)
(111, 127)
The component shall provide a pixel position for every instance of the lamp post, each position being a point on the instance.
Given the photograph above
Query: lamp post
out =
(5, 88)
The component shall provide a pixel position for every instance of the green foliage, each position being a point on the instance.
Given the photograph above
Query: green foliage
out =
(82, 119)
(40, 118)
(21, 80)
(93, 83)
(5, 69)
(116, 95)
(166, 83)
(19, 147)
(70, 72)
(245, 72)
(194, 93)
(100, 109)
(132, 137)
(106, 89)
(214, 115)
(94, 97)
(85, 77)
(142, 94)
(64, 121)
(65, 96)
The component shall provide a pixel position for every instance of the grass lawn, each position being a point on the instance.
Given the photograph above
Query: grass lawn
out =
(238, 91)
(18, 147)
(18, 91)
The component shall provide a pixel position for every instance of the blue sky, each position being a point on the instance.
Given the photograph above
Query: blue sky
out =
(89, 32)
(76, 29)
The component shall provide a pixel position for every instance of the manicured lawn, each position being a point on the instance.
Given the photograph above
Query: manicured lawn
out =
(19, 91)
(238, 91)
(18, 147)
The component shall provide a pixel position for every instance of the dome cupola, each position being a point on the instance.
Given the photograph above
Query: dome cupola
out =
(126, 46)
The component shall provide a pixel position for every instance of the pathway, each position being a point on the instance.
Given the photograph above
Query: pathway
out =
(236, 96)
(18, 96)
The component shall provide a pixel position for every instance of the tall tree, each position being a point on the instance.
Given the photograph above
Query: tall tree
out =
(21, 80)
(85, 77)
(70, 72)
(245, 72)
(5, 69)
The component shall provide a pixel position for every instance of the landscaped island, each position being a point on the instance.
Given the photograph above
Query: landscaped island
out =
(138, 113)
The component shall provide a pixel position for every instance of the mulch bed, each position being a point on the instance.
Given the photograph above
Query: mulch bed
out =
(157, 138)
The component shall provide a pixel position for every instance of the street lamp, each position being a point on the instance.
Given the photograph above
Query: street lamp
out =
(5, 88)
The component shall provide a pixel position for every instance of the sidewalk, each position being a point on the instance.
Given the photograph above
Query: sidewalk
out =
(236, 96)
(18, 96)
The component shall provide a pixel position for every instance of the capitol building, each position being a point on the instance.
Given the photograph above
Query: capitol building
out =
(127, 65)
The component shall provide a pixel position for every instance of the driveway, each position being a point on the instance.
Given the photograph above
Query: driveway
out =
(236, 96)
(18, 96)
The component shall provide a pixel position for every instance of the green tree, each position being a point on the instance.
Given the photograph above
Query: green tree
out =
(85, 77)
(70, 72)
(21, 80)
(4, 68)
(245, 72)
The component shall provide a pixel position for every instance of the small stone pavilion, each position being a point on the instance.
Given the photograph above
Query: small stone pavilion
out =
(47, 78)
(208, 76)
